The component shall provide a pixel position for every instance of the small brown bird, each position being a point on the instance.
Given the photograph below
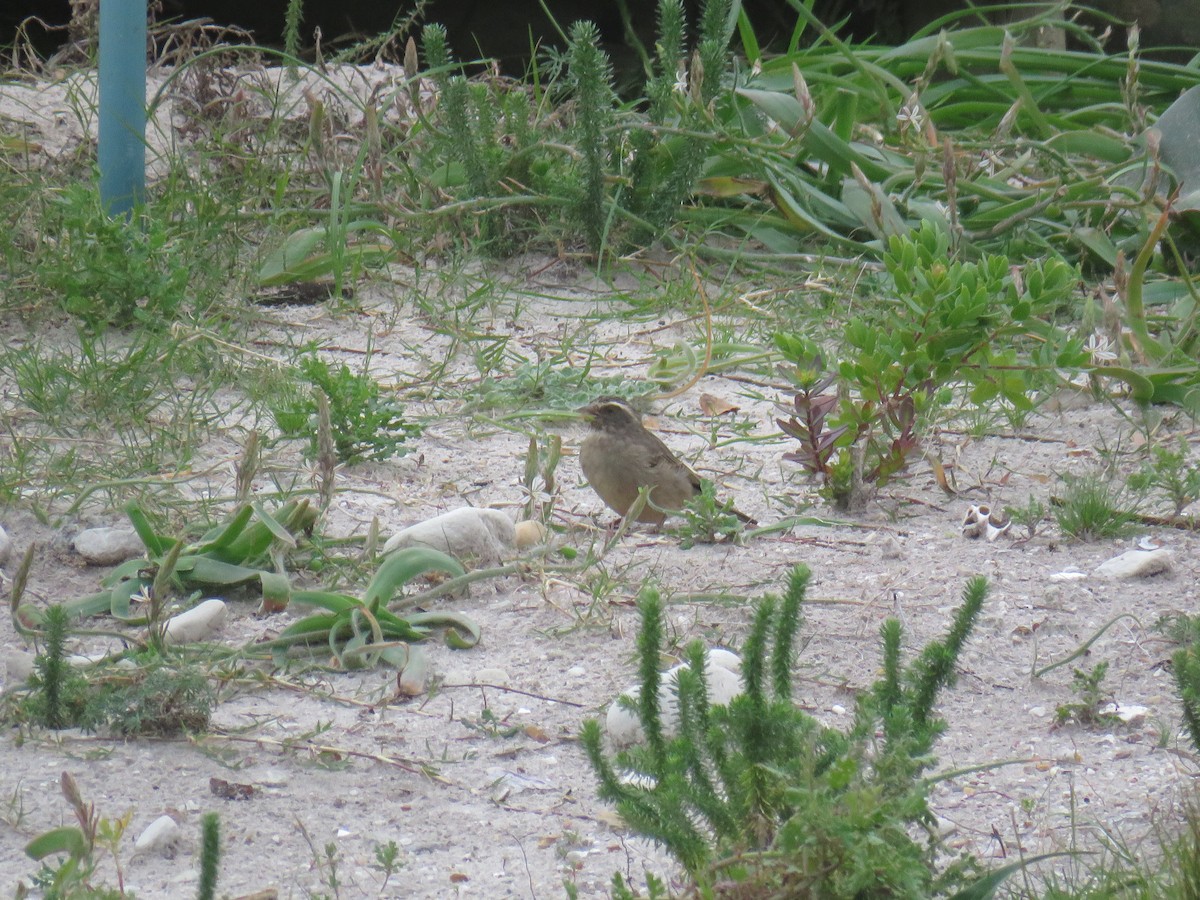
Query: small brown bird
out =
(619, 456)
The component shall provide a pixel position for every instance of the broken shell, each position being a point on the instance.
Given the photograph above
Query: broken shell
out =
(983, 521)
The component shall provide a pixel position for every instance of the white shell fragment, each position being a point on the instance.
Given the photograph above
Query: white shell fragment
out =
(1130, 714)
(1068, 576)
(983, 521)
(721, 672)
(196, 624)
(1136, 564)
(482, 535)
(108, 546)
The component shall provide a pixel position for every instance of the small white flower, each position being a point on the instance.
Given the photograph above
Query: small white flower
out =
(988, 162)
(1099, 348)
(910, 116)
(681, 79)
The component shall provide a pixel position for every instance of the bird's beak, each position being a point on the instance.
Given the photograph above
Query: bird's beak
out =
(588, 411)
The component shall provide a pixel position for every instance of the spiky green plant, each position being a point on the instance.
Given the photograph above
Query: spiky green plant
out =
(1187, 682)
(292, 17)
(210, 855)
(669, 153)
(759, 794)
(58, 691)
(461, 116)
(669, 56)
(716, 28)
(591, 80)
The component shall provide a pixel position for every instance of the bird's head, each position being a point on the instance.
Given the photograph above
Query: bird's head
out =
(610, 414)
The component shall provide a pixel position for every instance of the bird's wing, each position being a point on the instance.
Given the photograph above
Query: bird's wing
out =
(666, 459)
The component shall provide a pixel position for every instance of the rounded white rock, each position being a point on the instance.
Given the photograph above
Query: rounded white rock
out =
(108, 546)
(726, 659)
(161, 836)
(469, 533)
(197, 623)
(724, 684)
(83, 660)
(1136, 564)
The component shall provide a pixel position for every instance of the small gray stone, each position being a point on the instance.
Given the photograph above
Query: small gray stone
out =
(5, 546)
(489, 675)
(18, 667)
(1136, 564)
(108, 546)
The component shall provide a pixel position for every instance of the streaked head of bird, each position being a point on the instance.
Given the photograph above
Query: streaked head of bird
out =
(610, 414)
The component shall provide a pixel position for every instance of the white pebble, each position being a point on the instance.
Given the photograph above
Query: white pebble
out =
(197, 623)
(468, 534)
(161, 836)
(108, 546)
(1136, 564)
(724, 684)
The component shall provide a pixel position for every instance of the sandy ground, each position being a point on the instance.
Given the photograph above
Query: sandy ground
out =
(482, 784)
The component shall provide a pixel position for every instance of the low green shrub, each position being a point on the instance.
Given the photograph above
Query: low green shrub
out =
(758, 798)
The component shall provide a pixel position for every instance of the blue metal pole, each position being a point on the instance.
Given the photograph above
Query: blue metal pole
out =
(122, 104)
